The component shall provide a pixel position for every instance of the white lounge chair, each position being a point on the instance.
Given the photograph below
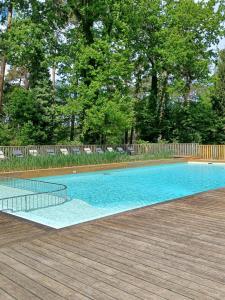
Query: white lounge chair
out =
(33, 152)
(2, 155)
(87, 150)
(109, 149)
(64, 151)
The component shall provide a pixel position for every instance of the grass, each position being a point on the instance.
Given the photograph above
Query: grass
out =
(57, 161)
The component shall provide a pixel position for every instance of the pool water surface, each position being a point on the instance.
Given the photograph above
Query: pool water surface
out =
(99, 194)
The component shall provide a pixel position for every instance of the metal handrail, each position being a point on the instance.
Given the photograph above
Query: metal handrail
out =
(33, 200)
(64, 187)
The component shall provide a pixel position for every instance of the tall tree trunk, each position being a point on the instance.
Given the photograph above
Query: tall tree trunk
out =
(126, 137)
(162, 105)
(154, 87)
(187, 89)
(2, 76)
(54, 83)
(3, 60)
(154, 105)
(54, 77)
(26, 81)
(72, 127)
(154, 90)
(131, 135)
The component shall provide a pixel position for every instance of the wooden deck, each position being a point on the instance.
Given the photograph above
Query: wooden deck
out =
(174, 250)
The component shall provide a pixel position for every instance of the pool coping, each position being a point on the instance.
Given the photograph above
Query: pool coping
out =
(130, 211)
(89, 168)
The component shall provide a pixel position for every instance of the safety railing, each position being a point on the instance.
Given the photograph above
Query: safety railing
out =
(27, 194)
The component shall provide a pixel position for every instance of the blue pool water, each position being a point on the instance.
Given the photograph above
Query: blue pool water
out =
(98, 194)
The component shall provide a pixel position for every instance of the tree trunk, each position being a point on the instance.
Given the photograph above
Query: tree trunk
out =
(154, 89)
(54, 83)
(126, 137)
(131, 135)
(187, 90)
(26, 81)
(3, 60)
(72, 127)
(162, 100)
(54, 77)
(2, 76)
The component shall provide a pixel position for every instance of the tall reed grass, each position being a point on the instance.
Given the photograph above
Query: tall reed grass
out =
(57, 161)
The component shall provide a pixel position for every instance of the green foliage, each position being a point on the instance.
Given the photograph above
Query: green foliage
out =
(218, 97)
(111, 71)
(31, 115)
(5, 135)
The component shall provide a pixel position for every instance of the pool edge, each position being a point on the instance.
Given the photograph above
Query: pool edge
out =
(126, 212)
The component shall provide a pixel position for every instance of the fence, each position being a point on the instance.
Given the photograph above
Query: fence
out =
(27, 194)
(175, 149)
(215, 152)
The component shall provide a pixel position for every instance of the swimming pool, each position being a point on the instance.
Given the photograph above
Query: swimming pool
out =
(99, 194)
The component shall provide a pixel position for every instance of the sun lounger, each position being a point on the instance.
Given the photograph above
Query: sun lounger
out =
(120, 150)
(50, 152)
(109, 149)
(33, 152)
(64, 151)
(130, 150)
(17, 153)
(87, 150)
(76, 150)
(2, 155)
(99, 150)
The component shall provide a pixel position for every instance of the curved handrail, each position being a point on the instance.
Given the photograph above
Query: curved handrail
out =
(32, 199)
(64, 187)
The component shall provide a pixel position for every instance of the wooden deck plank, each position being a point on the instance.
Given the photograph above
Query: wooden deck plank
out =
(88, 271)
(5, 296)
(13, 229)
(138, 268)
(174, 251)
(147, 258)
(12, 288)
(155, 284)
(26, 282)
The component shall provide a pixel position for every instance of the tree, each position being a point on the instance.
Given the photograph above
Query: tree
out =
(174, 49)
(98, 71)
(106, 71)
(8, 12)
(30, 114)
(218, 97)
